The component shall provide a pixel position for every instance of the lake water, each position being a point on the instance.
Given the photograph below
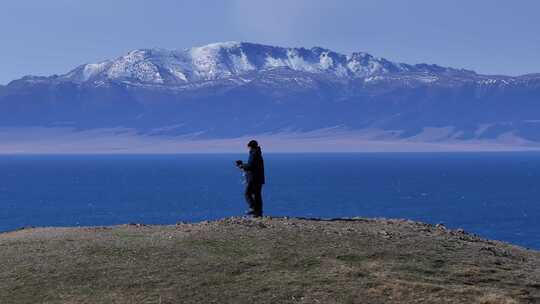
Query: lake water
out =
(495, 195)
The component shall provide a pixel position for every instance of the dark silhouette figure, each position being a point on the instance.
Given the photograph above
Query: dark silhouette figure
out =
(254, 173)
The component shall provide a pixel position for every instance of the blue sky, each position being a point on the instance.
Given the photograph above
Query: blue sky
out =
(497, 37)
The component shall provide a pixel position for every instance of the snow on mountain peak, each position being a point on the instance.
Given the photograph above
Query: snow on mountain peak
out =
(227, 59)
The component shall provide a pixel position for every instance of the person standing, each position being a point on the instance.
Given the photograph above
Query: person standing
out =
(255, 179)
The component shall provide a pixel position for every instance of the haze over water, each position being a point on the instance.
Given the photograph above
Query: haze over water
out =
(492, 194)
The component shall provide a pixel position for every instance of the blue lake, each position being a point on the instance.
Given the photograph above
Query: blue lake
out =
(495, 195)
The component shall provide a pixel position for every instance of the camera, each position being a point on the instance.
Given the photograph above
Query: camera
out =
(239, 163)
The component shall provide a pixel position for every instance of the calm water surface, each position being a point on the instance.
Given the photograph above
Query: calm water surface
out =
(495, 195)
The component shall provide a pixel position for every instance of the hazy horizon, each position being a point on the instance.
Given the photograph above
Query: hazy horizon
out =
(128, 141)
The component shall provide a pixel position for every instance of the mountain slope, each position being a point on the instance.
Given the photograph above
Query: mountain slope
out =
(231, 89)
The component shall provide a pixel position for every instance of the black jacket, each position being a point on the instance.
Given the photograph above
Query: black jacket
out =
(255, 167)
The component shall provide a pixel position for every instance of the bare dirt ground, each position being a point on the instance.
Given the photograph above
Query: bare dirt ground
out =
(268, 260)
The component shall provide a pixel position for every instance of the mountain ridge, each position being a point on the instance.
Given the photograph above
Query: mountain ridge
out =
(227, 59)
(233, 89)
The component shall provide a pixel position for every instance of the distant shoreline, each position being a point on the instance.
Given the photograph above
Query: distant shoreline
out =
(127, 141)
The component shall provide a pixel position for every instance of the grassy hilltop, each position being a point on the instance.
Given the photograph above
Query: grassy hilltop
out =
(268, 260)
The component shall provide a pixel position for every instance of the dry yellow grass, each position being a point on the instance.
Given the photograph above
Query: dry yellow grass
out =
(494, 298)
(268, 260)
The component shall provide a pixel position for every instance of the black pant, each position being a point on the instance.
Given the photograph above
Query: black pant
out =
(253, 196)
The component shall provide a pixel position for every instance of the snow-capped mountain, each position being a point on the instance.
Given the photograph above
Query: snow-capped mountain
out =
(231, 89)
(230, 59)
